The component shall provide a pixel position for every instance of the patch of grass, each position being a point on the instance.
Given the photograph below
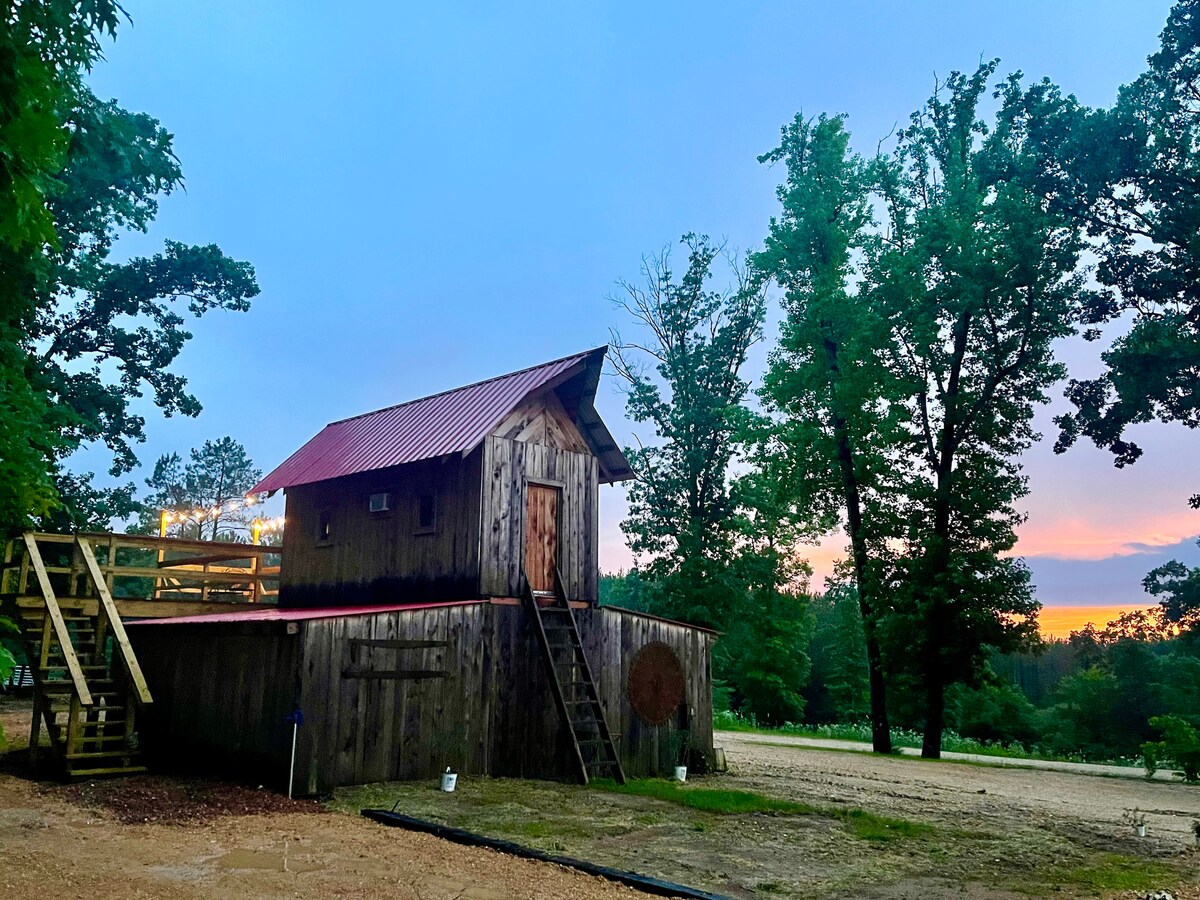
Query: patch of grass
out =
(536, 829)
(880, 829)
(1114, 872)
(864, 825)
(710, 800)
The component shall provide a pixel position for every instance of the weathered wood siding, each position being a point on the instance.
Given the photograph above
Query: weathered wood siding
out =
(612, 639)
(384, 557)
(494, 712)
(223, 691)
(221, 694)
(508, 466)
(363, 730)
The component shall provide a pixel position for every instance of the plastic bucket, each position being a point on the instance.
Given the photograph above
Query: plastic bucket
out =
(449, 780)
(681, 773)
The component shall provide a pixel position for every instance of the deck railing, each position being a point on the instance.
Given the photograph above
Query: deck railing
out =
(142, 567)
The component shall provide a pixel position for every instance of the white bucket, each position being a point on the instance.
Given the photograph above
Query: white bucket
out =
(681, 773)
(449, 780)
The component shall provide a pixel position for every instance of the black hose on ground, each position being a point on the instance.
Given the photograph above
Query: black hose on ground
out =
(644, 883)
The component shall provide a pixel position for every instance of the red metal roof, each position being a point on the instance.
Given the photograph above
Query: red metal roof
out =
(277, 614)
(451, 422)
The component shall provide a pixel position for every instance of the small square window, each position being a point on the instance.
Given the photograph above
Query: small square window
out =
(426, 513)
(324, 527)
(379, 502)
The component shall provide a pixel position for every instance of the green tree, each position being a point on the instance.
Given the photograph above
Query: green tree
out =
(99, 314)
(1131, 176)
(827, 385)
(43, 48)
(914, 351)
(205, 494)
(977, 277)
(683, 378)
(1178, 588)
(839, 690)
(992, 711)
(83, 336)
(624, 589)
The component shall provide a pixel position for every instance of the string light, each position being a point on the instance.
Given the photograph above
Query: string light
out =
(265, 526)
(178, 516)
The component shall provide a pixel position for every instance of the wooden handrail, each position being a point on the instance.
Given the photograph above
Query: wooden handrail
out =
(182, 568)
(56, 618)
(109, 610)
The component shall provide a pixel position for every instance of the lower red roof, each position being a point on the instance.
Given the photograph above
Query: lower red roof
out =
(298, 614)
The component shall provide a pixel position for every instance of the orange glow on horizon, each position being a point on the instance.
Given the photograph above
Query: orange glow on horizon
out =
(1060, 621)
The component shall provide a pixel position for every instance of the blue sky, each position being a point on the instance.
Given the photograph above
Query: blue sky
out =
(436, 194)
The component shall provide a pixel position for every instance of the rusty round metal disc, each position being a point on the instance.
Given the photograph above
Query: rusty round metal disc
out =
(656, 683)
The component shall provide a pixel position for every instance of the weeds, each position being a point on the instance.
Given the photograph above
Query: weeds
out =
(952, 742)
(862, 824)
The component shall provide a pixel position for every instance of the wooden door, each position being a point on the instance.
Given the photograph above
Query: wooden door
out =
(541, 536)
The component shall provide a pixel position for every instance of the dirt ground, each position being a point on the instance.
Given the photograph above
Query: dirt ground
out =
(997, 833)
(53, 844)
(970, 796)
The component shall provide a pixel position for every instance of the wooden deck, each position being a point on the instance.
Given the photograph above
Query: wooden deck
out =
(147, 576)
(70, 595)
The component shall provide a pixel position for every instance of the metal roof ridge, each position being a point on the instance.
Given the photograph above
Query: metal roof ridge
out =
(465, 387)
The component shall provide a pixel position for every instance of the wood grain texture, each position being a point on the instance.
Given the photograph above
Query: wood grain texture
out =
(511, 468)
(222, 692)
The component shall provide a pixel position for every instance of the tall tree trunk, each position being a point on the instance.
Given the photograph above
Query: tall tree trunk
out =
(935, 712)
(881, 733)
(937, 560)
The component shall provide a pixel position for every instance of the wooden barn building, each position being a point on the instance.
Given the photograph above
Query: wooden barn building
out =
(437, 608)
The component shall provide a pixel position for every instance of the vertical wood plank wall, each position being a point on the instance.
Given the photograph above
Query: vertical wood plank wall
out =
(494, 713)
(222, 692)
(507, 465)
(382, 558)
(362, 730)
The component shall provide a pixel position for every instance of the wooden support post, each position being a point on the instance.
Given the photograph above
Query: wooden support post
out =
(73, 728)
(130, 712)
(23, 577)
(35, 728)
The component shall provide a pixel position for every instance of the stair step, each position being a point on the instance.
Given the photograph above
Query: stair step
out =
(96, 739)
(86, 668)
(107, 723)
(101, 754)
(114, 770)
(98, 683)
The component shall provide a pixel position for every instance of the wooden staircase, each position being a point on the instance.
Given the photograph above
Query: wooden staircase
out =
(88, 685)
(574, 688)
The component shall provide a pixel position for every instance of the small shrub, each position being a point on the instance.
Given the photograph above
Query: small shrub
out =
(1180, 746)
(1150, 758)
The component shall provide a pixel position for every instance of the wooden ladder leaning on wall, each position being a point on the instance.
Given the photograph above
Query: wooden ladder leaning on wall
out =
(86, 693)
(593, 751)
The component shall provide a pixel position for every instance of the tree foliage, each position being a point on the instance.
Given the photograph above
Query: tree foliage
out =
(83, 336)
(977, 276)
(43, 47)
(200, 489)
(1178, 588)
(1130, 176)
(914, 350)
(827, 383)
(683, 378)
